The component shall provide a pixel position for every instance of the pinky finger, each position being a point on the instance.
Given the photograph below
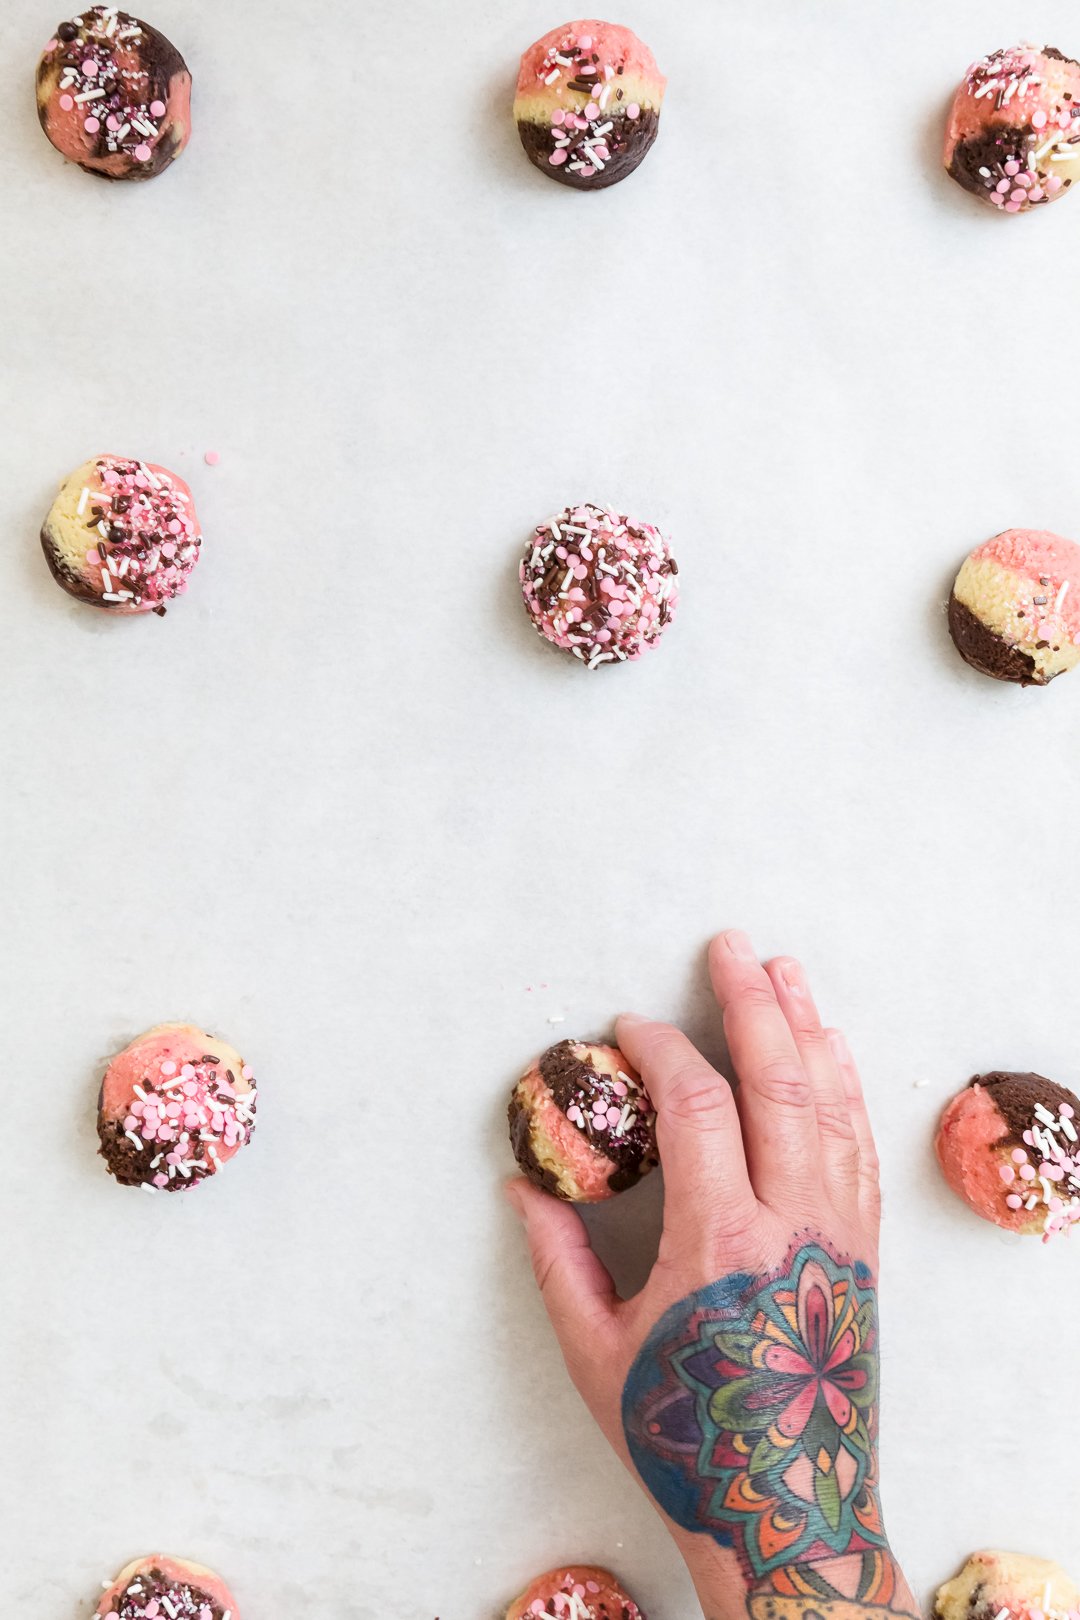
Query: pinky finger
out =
(869, 1164)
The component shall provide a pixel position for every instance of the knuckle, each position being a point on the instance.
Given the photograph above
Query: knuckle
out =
(785, 1083)
(698, 1097)
(835, 1122)
(754, 997)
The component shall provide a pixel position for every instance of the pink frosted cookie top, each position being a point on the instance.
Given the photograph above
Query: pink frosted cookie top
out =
(581, 1592)
(1051, 565)
(599, 585)
(176, 1105)
(113, 94)
(160, 1588)
(588, 55)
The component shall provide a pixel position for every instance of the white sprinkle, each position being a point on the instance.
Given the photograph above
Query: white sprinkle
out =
(170, 1609)
(83, 498)
(118, 137)
(111, 29)
(1045, 1115)
(155, 1162)
(1069, 1128)
(91, 95)
(146, 1187)
(919, 1084)
(107, 596)
(1061, 595)
(557, 1018)
(600, 658)
(1002, 1614)
(137, 1140)
(627, 1115)
(106, 580)
(144, 128)
(1032, 1201)
(552, 76)
(130, 33)
(602, 129)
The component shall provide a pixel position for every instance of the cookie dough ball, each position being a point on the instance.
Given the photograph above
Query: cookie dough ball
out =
(113, 95)
(175, 1106)
(580, 1592)
(122, 535)
(588, 104)
(1014, 612)
(599, 585)
(1009, 1147)
(161, 1588)
(1000, 1583)
(1014, 128)
(581, 1124)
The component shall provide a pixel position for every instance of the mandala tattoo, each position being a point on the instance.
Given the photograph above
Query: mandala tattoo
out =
(751, 1415)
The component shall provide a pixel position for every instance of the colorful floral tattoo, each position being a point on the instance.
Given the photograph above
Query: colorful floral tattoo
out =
(751, 1415)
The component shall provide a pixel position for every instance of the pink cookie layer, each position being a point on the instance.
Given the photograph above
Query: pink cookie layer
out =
(591, 1170)
(972, 1146)
(1036, 103)
(612, 43)
(1037, 555)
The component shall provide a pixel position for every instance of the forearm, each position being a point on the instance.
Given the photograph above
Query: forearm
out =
(873, 1588)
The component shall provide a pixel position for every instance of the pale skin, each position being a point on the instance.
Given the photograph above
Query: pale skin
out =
(758, 1180)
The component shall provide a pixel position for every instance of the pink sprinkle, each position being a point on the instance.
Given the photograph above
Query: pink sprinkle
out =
(558, 117)
(90, 67)
(143, 153)
(131, 1123)
(1012, 167)
(558, 158)
(1019, 195)
(1003, 185)
(190, 1088)
(168, 1068)
(93, 557)
(149, 1130)
(91, 126)
(160, 1180)
(157, 109)
(1054, 183)
(187, 1072)
(592, 111)
(1019, 1156)
(1014, 1201)
(51, 46)
(619, 1088)
(585, 41)
(1007, 1173)
(175, 526)
(66, 103)
(633, 111)
(248, 1073)
(614, 1115)
(1037, 193)
(1027, 1172)
(112, 121)
(1038, 119)
(212, 457)
(1067, 1111)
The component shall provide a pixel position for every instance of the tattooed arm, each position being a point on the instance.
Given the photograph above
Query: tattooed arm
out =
(741, 1384)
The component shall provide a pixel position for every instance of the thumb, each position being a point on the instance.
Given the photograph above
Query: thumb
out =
(576, 1288)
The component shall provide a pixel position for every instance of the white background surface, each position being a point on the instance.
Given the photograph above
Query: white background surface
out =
(342, 807)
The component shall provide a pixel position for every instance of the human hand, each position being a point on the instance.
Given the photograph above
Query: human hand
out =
(740, 1384)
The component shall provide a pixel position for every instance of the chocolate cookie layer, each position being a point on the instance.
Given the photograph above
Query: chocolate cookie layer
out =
(628, 142)
(987, 652)
(1015, 1097)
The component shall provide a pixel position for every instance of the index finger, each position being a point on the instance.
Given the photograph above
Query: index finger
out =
(697, 1130)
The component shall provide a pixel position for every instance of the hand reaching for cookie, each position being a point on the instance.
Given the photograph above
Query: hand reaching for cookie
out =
(741, 1384)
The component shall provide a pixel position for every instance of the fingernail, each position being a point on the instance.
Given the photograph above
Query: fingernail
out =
(792, 974)
(512, 1194)
(841, 1050)
(632, 1018)
(740, 945)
